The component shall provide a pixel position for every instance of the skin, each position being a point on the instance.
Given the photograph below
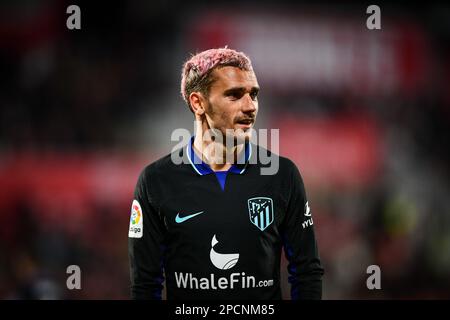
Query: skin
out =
(231, 104)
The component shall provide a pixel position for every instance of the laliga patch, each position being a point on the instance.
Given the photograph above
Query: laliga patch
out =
(136, 221)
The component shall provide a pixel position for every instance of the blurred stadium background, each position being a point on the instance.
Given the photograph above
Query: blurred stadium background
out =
(364, 114)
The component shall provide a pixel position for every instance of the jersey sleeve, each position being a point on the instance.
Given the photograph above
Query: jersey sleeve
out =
(300, 245)
(145, 245)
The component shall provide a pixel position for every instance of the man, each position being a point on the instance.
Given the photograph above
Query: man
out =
(214, 226)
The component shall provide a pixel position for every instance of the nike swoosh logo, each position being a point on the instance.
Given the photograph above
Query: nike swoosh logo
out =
(179, 219)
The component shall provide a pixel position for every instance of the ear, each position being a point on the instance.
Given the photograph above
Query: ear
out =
(197, 102)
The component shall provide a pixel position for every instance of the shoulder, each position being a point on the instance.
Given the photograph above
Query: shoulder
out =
(267, 158)
(163, 166)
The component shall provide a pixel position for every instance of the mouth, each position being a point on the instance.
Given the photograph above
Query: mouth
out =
(246, 122)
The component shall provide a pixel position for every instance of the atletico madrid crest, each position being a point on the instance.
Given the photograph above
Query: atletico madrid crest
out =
(260, 210)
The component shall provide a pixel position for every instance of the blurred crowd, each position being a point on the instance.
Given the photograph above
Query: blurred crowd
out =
(82, 111)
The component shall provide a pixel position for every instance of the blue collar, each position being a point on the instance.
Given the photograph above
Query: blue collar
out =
(203, 168)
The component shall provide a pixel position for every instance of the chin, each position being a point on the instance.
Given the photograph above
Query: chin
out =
(243, 137)
(239, 135)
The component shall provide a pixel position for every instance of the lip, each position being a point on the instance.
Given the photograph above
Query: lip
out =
(246, 125)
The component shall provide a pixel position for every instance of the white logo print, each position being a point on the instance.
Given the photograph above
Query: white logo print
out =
(241, 280)
(307, 210)
(220, 260)
(310, 221)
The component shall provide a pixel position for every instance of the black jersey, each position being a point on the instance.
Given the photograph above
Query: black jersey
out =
(220, 235)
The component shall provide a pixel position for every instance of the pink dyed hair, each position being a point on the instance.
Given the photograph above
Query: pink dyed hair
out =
(196, 73)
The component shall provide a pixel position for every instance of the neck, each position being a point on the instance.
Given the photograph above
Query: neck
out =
(216, 154)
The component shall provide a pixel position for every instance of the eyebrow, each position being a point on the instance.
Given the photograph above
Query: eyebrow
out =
(240, 90)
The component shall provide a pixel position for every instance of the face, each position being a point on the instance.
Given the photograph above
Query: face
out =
(232, 102)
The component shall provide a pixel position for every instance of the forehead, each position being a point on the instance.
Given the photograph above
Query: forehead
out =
(229, 77)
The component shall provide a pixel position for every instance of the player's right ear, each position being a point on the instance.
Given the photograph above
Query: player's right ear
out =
(197, 103)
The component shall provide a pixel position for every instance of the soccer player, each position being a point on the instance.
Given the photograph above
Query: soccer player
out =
(215, 228)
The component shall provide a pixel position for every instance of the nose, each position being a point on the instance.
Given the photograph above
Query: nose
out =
(250, 105)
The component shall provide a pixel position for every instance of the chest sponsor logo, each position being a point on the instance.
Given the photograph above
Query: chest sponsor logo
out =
(261, 213)
(222, 260)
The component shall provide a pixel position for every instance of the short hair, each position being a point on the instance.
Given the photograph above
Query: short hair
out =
(196, 72)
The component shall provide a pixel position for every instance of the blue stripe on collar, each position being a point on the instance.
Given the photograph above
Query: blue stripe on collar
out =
(202, 168)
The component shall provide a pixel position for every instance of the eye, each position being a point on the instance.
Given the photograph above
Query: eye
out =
(254, 95)
(234, 95)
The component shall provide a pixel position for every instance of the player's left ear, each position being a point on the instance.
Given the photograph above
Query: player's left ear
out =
(197, 102)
